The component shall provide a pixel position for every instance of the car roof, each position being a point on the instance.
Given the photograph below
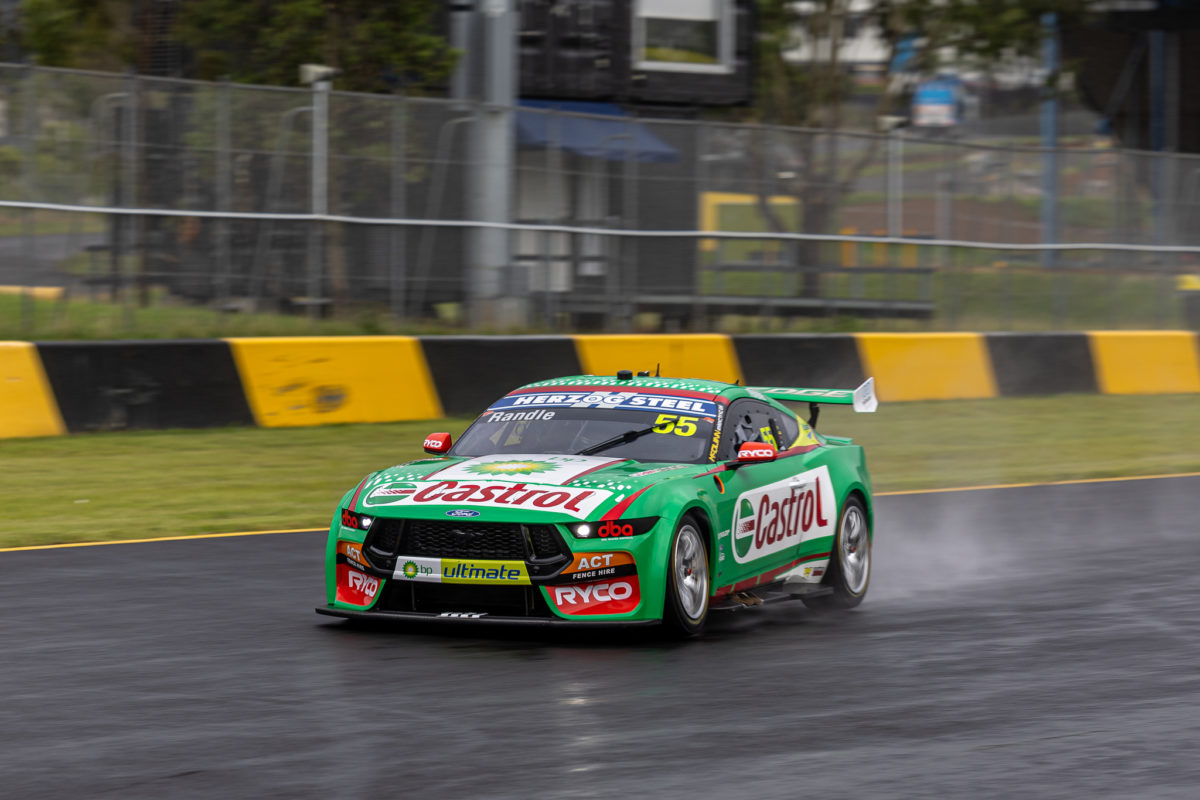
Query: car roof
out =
(644, 383)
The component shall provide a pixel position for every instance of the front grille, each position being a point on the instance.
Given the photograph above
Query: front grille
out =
(501, 541)
(545, 542)
(455, 539)
(508, 601)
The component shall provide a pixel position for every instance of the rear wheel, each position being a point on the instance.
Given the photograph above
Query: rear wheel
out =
(849, 570)
(686, 608)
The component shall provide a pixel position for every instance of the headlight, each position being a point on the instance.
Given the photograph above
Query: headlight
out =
(358, 522)
(612, 528)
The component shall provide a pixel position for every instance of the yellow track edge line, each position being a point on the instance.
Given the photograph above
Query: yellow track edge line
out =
(876, 494)
(993, 487)
(157, 539)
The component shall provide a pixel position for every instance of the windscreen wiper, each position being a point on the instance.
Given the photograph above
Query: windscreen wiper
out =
(620, 438)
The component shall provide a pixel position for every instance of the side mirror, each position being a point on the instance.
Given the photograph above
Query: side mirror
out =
(438, 443)
(754, 452)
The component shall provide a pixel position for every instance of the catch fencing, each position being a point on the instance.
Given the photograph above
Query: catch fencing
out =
(119, 189)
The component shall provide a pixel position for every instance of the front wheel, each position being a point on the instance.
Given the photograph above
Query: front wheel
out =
(686, 608)
(849, 571)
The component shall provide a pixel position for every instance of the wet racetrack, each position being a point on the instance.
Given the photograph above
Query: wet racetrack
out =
(1032, 642)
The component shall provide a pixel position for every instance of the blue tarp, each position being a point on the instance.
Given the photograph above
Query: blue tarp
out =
(610, 139)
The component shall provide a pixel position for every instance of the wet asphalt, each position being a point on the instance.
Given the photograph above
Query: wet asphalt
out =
(1038, 642)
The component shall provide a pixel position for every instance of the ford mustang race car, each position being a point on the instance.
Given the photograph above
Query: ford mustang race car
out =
(627, 499)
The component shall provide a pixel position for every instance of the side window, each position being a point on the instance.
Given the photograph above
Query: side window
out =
(748, 421)
(787, 426)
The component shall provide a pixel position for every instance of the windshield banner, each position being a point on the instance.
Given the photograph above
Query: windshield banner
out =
(623, 400)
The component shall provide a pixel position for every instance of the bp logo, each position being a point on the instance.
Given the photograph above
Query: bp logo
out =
(512, 467)
(743, 533)
(410, 570)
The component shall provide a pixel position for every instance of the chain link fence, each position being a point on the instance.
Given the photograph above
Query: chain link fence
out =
(117, 189)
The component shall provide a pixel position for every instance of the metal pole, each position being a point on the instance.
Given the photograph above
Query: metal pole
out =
(700, 172)
(893, 181)
(28, 160)
(129, 183)
(396, 257)
(224, 189)
(1158, 138)
(628, 287)
(320, 192)
(1049, 124)
(553, 174)
(492, 175)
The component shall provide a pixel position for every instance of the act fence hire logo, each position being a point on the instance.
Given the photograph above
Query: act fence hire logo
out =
(783, 514)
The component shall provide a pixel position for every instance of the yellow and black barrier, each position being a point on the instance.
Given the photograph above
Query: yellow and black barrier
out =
(50, 388)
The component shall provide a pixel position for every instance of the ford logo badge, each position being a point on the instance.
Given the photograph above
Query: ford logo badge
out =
(462, 512)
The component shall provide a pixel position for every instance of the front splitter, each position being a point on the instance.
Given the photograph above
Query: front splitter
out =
(480, 619)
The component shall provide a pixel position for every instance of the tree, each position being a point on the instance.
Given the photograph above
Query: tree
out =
(77, 33)
(975, 33)
(377, 46)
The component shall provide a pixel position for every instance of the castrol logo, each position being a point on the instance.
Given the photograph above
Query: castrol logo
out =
(783, 514)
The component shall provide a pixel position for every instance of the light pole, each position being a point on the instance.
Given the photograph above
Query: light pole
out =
(319, 76)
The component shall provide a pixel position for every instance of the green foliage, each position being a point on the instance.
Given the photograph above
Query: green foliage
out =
(78, 33)
(377, 46)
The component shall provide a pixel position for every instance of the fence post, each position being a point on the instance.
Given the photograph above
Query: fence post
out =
(320, 193)
(399, 238)
(129, 146)
(224, 189)
(28, 161)
(628, 282)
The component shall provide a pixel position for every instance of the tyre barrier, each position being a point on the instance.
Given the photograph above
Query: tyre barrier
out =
(51, 388)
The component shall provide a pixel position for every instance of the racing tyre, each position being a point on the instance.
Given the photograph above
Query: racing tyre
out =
(849, 571)
(686, 607)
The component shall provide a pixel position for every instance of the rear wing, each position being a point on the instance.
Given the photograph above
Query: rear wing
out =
(863, 398)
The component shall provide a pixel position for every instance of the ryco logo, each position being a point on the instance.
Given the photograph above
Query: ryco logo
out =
(364, 583)
(601, 597)
(355, 588)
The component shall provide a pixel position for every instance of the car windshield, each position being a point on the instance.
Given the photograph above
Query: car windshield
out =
(659, 429)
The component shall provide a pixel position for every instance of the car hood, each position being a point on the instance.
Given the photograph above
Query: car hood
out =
(514, 487)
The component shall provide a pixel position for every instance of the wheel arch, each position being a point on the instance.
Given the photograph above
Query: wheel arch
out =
(701, 515)
(864, 497)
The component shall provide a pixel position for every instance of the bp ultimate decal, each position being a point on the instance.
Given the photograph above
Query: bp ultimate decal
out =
(780, 515)
(454, 570)
(417, 494)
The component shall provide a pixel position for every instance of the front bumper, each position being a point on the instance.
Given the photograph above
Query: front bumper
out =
(478, 619)
(592, 581)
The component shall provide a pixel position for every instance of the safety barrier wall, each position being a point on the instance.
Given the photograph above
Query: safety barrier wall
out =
(49, 388)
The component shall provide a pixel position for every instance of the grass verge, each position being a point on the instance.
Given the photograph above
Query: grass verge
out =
(133, 485)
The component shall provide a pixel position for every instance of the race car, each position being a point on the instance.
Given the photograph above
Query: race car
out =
(626, 499)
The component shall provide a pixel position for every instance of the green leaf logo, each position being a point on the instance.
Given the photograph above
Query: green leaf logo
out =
(743, 530)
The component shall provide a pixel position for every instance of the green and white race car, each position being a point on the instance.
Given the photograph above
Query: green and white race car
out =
(612, 500)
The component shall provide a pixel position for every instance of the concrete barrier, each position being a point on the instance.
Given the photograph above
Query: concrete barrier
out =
(27, 405)
(323, 380)
(50, 388)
